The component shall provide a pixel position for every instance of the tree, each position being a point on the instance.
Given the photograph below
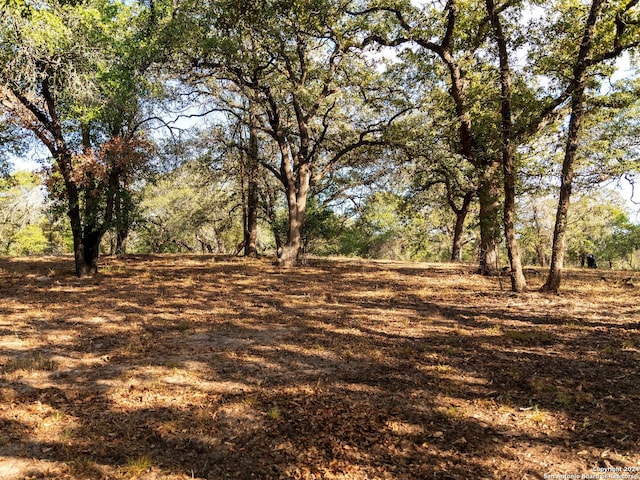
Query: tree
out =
(188, 210)
(459, 39)
(454, 36)
(518, 282)
(298, 68)
(605, 36)
(425, 145)
(22, 205)
(54, 57)
(457, 192)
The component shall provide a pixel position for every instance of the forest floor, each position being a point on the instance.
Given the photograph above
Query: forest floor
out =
(183, 367)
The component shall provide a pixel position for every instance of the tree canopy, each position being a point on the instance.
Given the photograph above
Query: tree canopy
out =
(360, 123)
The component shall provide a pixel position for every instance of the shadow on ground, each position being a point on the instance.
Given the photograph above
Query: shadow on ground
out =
(203, 367)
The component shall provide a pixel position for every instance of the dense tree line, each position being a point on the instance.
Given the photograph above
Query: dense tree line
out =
(380, 127)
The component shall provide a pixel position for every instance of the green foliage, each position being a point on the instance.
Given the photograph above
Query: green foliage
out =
(315, 92)
(385, 227)
(30, 240)
(375, 233)
(322, 227)
(22, 207)
(12, 143)
(183, 211)
(598, 224)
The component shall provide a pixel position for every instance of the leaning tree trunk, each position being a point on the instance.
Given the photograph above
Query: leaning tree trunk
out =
(489, 217)
(554, 278)
(552, 284)
(556, 265)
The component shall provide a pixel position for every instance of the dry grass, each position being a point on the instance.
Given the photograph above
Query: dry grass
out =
(179, 367)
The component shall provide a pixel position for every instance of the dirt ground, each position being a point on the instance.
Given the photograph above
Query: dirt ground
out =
(195, 367)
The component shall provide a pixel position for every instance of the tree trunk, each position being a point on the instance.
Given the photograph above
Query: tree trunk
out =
(539, 245)
(251, 226)
(85, 254)
(83, 268)
(121, 213)
(122, 236)
(554, 278)
(461, 216)
(540, 257)
(289, 254)
(251, 234)
(88, 266)
(489, 217)
(518, 282)
(552, 284)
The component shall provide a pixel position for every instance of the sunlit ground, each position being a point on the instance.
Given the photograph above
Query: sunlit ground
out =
(175, 367)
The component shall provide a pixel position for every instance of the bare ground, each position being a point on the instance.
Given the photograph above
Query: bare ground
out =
(176, 367)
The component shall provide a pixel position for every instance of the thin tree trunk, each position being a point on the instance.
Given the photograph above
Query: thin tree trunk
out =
(461, 216)
(121, 214)
(554, 278)
(251, 226)
(518, 281)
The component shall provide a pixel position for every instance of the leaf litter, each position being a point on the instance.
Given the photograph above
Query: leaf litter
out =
(174, 367)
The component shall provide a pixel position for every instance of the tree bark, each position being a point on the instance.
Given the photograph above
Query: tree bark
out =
(290, 252)
(122, 237)
(461, 216)
(518, 281)
(251, 225)
(489, 218)
(554, 278)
